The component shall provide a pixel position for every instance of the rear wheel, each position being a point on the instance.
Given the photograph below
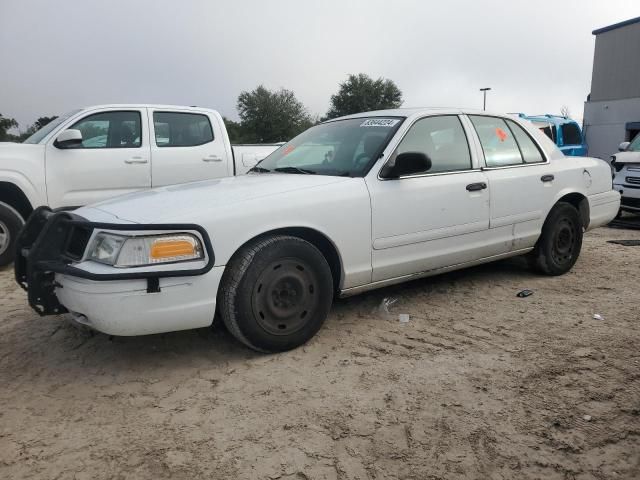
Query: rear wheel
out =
(560, 243)
(276, 293)
(11, 223)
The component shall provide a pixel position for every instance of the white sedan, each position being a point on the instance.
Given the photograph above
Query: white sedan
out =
(350, 205)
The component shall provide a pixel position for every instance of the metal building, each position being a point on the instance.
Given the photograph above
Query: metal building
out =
(612, 109)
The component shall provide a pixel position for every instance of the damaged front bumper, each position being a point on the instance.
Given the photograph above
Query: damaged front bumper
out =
(50, 266)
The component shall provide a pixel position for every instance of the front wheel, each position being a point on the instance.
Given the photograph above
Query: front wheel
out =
(11, 223)
(276, 293)
(560, 243)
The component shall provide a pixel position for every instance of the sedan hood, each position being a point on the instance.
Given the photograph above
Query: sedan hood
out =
(178, 202)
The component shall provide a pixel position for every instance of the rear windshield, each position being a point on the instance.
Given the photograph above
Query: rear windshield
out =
(341, 148)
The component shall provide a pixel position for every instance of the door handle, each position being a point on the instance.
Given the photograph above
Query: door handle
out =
(547, 178)
(212, 158)
(474, 187)
(133, 160)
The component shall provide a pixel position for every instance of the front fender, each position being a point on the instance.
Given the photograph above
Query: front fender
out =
(27, 187)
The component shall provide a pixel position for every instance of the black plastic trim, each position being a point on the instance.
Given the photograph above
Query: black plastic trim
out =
(41, 253)
(61, 266)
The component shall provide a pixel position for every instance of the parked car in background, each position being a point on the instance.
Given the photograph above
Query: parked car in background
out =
(626, 171)
(95, 153)
(562, 131)
(350, 205)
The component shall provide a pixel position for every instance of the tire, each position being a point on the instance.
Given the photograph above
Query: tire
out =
(11, 223)
(276, 293)
(559, 245)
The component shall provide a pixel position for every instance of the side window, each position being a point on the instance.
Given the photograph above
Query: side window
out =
(498, 143)
(174, 129)
(570, 134)
(528, 149)
(110, 130)
(442, 139)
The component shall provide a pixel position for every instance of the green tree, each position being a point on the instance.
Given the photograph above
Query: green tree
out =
(235, 131)
(7, 124)
(361, 93)
(42, 121)
(267, 116)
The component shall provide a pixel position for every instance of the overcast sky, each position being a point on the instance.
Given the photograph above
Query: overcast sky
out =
(537, 56)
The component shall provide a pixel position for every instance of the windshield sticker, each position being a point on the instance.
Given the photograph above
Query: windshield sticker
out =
(380, 122)
(288, 149)
(501, 134)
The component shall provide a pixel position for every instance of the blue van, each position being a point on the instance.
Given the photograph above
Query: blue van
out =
(564, 132)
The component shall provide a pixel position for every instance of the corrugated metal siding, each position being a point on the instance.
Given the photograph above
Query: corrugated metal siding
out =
(616, 64)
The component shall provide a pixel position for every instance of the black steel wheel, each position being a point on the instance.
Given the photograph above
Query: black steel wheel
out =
(276, 293)
(560, 242)
(10, 225)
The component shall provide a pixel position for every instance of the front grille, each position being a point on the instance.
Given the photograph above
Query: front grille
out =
(630, 202)
(77, 241)
(634, 180)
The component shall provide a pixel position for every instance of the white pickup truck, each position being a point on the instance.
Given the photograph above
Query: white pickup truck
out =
(95, 153)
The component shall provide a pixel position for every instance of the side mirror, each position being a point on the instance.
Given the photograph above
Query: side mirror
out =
(407, 163)
(71, 138)
(623, 146)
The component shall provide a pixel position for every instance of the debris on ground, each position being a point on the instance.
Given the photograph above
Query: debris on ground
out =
(524, 293)
(597, 316)
(385, 305)
(403, 318)
(626, 243)
(586, 417)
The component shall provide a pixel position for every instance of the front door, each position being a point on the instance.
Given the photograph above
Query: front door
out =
(434, 219)
(112, 160)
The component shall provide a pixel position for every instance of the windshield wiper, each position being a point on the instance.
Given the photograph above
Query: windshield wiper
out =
(294, 170)
(259, 169)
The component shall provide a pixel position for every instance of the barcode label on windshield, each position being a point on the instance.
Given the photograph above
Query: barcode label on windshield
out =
(380, 122)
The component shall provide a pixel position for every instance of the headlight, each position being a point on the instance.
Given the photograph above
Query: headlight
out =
(139, 251)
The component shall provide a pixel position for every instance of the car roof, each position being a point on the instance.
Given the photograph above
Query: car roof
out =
(146, 105)
(413, 112)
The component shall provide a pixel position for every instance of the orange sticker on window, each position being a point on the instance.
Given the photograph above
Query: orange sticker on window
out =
(288, 149)
(501, 134)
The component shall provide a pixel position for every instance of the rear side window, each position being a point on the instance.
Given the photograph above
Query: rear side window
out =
(528, 149)
(504, 142)
(570, 134)
(110, 130)
(498, 143)
(177, 129)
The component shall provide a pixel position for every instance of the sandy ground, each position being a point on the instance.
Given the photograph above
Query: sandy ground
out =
(479, 384)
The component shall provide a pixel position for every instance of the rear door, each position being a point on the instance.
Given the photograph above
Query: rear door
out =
(112, 160)
(186, 146)
(522, 182)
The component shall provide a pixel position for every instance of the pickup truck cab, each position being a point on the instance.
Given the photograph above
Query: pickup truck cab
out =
(352, 204)
(95, 153)
(562, 131)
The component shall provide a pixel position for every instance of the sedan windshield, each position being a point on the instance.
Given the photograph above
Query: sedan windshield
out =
(340, 148)
(49, 127)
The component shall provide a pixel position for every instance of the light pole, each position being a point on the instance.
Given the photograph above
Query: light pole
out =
(484, 92)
